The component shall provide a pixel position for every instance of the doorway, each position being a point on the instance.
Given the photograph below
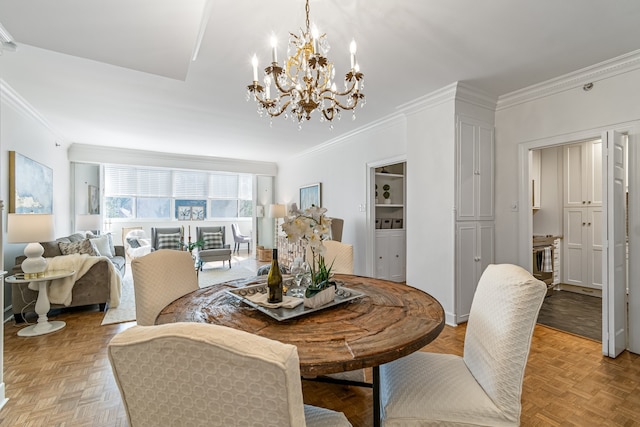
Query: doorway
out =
(566, 185)
(614, 286)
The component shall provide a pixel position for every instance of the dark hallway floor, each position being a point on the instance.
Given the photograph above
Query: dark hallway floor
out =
(575, 313)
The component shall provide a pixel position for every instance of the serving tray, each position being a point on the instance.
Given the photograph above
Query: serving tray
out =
(342, 295)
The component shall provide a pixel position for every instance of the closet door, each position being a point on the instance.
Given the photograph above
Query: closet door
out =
(575, 246)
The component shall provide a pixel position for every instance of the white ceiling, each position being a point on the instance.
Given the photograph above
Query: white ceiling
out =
(119, 73)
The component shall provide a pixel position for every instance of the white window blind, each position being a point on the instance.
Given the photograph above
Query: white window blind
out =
(131, 181)
(188, 184)
(222, 186)
(120, 181)
(153, 183)
(245, 192)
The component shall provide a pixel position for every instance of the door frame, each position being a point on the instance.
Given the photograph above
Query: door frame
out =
(370, 254)
(525, 216)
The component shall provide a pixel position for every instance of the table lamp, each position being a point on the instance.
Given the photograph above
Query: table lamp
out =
(276, 211)
(89, 222)
(31, 229)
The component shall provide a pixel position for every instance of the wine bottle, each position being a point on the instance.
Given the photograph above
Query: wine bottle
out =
(274, 280)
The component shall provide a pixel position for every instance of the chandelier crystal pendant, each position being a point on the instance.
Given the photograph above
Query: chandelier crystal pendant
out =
(306, 81)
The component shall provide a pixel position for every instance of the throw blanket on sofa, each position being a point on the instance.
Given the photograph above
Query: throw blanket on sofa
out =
(60, 289)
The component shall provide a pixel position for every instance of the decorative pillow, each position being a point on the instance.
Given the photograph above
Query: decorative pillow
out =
(51, 249)
(102, 247)
(81, 247)
(144, 242)
(76, 237)
(169, 241)
(133, 242)
(212, 240)
(112, 247)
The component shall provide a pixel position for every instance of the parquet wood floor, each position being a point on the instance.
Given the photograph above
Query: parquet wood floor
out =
(64, 379)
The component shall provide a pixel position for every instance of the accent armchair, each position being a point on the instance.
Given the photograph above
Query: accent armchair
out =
(166, 238)
(215, 246)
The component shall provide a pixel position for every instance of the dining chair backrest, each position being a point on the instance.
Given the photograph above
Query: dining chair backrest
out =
(337, 253)
(235, 232)
(159, 278)
(200, 374)
(503, 314)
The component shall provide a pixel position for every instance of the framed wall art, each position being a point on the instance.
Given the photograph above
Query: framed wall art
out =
(30, 185)
(94, 200)
(310, 195)
(191, 210)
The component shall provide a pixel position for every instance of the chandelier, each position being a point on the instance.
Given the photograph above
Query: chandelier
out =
(306, 82)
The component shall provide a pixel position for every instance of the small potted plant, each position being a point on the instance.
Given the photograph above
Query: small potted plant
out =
(192, 245)
(387, 193)
(376, 194)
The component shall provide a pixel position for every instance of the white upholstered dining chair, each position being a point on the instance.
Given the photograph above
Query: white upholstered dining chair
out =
(197, 374)
(484, 386)
(159, 278)
(337, 253)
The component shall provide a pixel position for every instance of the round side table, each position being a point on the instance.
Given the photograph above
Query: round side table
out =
(42, 303)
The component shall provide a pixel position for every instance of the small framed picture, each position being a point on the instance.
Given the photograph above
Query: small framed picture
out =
(310, 195)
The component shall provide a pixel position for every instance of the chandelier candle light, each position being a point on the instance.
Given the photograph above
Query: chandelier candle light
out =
(306, 82)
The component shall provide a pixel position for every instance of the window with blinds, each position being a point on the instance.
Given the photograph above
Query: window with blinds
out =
(150, 193)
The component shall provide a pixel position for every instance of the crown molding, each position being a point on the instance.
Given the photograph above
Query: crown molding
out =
(457, 91)
(384, 123)
(86, 153)
(14, 100)
(430, 100)
(603, 70)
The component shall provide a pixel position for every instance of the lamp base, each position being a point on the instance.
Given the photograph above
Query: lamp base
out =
(34, 266)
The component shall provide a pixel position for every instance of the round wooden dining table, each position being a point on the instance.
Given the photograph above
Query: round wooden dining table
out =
(389, 321)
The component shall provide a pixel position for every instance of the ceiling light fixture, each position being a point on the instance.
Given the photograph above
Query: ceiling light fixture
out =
(306, 83)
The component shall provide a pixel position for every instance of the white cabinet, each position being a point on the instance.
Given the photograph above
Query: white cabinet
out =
(474, 252)
(583, 247)
(583, 174)
(390, 247)
(474, 209)
(390, 255)
(474, 170)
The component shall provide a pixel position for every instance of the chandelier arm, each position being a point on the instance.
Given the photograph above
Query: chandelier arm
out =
(344, 107)
(282, 89)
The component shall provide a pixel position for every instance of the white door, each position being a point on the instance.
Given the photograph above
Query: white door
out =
(614, 263)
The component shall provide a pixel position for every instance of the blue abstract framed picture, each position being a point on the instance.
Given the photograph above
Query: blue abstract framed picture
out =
(30, 185)
(310, 195)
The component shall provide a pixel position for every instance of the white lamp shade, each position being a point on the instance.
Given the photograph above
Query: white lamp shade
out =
(87, 222)
(28, 228)
(277, 211)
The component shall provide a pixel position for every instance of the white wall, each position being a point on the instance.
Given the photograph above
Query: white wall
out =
(548, 220)
(23, 131)
(430, 202)
(341, 167)
(83, 175)
(611, 103)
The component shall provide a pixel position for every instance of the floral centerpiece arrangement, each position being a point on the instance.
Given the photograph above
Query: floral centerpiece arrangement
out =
(311, 227)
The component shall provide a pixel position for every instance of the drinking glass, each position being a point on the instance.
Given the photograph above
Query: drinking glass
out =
(302, 277)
